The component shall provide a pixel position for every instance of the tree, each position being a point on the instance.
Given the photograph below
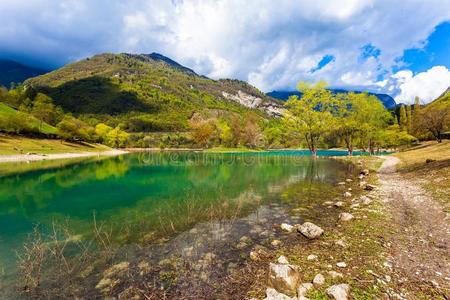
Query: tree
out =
(43, 109)
(310, 116)
(116, 137)
(415, 123)
(408, 118)
(252, 132)
(71, 128)
(225, 133)
(435, 119)
(403, 119)
(202, 130)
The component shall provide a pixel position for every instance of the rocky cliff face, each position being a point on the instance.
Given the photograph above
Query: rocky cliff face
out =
(270, 107)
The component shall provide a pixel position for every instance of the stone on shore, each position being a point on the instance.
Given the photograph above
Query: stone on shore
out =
(273, 294)
(304, 288)
(335, 274)
(283, 260)
(347, 194)
(339, 291)
(344, 217)
(319, 280)
(284, 278)
(370, 187)
(341, 264)
(365, 172)
(310, 230)
(365, 200)
(339, 204)
(311, 257)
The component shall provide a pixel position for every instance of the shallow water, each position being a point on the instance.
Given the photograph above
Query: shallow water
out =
(175, 204)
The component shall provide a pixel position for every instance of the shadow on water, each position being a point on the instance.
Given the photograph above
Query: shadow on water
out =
(163, 208)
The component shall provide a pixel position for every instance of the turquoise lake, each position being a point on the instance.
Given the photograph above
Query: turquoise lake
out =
(159, 198)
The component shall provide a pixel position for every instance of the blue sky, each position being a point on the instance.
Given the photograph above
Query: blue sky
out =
(377, 45)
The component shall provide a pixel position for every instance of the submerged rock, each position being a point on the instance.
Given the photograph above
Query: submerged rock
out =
(319, 280)
(339, 291)
(345, 217)
(284, 278)
(276, 243)
(287, 227)
(116, 270)
(310, 230)
(304, 288)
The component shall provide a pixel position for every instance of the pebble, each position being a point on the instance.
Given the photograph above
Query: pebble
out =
(341, 264)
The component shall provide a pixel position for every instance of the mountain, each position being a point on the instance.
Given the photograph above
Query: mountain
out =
(11, 71)
(387, 100)
(447, 92)
(147, 92)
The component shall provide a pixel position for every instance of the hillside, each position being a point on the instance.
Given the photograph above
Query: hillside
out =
(11, 71)
(145, 93)
(18, 119)
(387, 100)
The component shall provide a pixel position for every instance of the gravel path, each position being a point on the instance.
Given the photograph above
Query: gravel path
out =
(420, 242)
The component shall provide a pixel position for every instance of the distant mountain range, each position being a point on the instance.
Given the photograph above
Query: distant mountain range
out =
(11, 71)
(387, 100)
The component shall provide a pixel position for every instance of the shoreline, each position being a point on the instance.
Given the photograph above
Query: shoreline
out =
(40, 157)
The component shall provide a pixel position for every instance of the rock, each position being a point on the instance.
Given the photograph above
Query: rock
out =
(311, 257)
(258, 254)
(362, 183)
(364, 172)
(209, 257)
(116, 270)
(361, 177)
(341, 243)
(276, 243)
(338, 291)
(344, 217)
(341, 183)
(287, 227)
(106, 284)
(319, 280)
(370, 187)
(354, 205)
(347, 194)
(335, 274)
(284, 278)
(304, 288)
(341, 264)
(283, 260)
(327, 203)
(241, 245)
(339, 204)
(272, 294)
(144, 268)
(365, 200)
(310, 230)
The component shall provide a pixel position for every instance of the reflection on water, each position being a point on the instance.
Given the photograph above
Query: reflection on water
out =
(147, 198)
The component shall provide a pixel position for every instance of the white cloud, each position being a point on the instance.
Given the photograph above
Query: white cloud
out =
(272, 44)
(426, 85)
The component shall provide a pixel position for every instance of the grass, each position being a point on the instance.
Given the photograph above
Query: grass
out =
(433, 175)
(10, 145)
(45, 128)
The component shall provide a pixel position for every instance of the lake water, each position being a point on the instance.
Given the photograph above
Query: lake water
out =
(163, 205)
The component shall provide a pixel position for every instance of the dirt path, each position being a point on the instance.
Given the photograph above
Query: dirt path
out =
(419, 246)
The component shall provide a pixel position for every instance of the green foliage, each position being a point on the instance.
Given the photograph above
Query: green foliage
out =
(311, 116)
(403, 122)
(71, 128)
(113, 137)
